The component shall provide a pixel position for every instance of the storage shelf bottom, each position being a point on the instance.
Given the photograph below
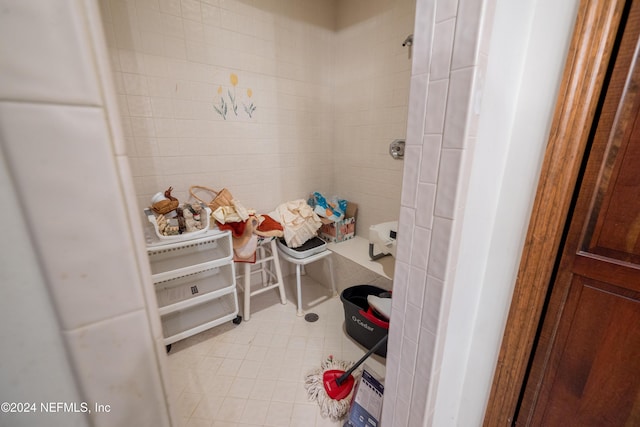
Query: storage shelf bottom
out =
(183, 324)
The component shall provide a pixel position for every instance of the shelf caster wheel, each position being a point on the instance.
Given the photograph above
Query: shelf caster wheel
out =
(168, 346)
(237, 320)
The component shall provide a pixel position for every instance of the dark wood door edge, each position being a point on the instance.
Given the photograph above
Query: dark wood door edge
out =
(585, 69)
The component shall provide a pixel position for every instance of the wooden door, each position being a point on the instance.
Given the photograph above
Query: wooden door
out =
(586, 365)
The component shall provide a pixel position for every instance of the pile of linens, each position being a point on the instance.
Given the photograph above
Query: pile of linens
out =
(295, 221)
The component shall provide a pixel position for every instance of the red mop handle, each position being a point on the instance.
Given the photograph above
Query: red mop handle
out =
(342, 378)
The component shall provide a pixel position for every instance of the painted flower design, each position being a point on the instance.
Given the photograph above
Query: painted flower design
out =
(234, 82)
(249, 108)
(222, 106)
(222, 110)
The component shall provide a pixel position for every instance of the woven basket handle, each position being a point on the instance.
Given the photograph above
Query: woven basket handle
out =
(193, 194)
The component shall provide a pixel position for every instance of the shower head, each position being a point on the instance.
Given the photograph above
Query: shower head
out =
(408, 41)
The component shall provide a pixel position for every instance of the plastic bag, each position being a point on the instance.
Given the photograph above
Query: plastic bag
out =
(333, 209)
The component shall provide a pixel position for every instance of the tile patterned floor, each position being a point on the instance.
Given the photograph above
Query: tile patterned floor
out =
(252, 374)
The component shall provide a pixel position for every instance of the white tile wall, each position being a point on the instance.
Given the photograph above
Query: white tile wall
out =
(137, 381)
(32, 347)
(443, 111)
(436, 107)
(65, 156)
(459, 104)
(84, 282)
(372, 73)
(318, 122)
(47, 74)
(442, 49)
(172, 59)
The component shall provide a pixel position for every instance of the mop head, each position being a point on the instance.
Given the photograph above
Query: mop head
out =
(329, 408)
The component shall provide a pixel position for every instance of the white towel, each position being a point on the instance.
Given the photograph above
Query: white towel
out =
(299, 221)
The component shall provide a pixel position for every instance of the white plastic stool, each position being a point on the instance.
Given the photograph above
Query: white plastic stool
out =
(269, 267)
(300, 263)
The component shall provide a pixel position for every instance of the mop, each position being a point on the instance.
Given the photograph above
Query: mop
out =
(332, 387)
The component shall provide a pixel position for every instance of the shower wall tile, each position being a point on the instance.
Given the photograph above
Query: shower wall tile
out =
(139, 243)
(211, 15)
(401, 275)
(448, 182)
(102, 366)
(458, 105)
(405, 376)
(75, 201)
(48, 58)
(488, 17)
(191, 10)
(422, 37)
(425, 205)
(432, 303)
(390, 388)
(416, 285)
(90, 285)
(442, 49)
(420, 247)
(467, 37)
(139, 106)
(436, 107)
(440, 245)
(443, 326)
(423, 371)
(417, 108)
(402, 408)
(110, 100)
(175, 63)
(149, 19)
(433, 200)
(412, 321)
(171, 7)
(130, 62)
(446, 9)
(29, 327)
(426, 354)
(174, 48)
(419, 395)
(370, 95)
(135, 84)
(406, 224)
(430, 166)
(411, 171)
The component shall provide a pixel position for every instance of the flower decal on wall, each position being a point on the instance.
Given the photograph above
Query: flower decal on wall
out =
(222, 110)
(234, 82)
(249, 108)
(222, 106)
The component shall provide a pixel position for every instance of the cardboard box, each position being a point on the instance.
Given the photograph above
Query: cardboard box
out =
(339, 231)
(366, 406)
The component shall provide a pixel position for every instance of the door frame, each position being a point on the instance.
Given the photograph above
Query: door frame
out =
(586, 66)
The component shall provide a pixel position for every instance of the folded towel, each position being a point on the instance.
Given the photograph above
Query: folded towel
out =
(235, 213)
(269, 227)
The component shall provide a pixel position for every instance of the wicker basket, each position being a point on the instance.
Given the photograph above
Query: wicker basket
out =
(219, 198)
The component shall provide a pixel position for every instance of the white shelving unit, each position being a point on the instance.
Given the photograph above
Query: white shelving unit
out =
(195, 283)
